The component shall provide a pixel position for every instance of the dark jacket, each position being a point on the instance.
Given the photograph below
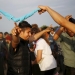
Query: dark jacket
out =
(3, 55)
(19, 62)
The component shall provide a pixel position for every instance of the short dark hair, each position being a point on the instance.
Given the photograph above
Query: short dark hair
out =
(34, 26)
(72, 20)
(24, 24)
(1, 32)
(35, 29)
(5, 33)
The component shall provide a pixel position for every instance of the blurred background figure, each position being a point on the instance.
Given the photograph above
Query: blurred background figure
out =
(8, 41)
(6, 34)
(1, 36)
(0, 17)
(3, 55)
(32, 46)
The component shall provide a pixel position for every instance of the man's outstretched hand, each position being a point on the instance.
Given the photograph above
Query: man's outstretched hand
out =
(42, 9)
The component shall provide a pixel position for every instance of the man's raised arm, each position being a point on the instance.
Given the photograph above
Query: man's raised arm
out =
(57, 18)
(15, 36)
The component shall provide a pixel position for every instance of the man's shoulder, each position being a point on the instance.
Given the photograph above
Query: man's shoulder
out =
(63, 33)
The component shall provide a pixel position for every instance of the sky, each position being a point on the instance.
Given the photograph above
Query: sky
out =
(19, 8)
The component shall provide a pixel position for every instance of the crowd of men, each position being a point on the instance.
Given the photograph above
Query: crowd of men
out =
(30, 50)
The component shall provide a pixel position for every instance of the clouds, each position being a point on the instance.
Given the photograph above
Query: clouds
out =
(21, 7)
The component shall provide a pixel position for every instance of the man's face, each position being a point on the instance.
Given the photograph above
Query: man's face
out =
(1, 36)
(6, 35)
(26, 34)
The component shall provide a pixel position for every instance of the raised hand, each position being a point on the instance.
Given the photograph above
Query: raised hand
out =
(48, 29)
(42, 9)
(16, 30)
(51, 26)
(68, 17)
